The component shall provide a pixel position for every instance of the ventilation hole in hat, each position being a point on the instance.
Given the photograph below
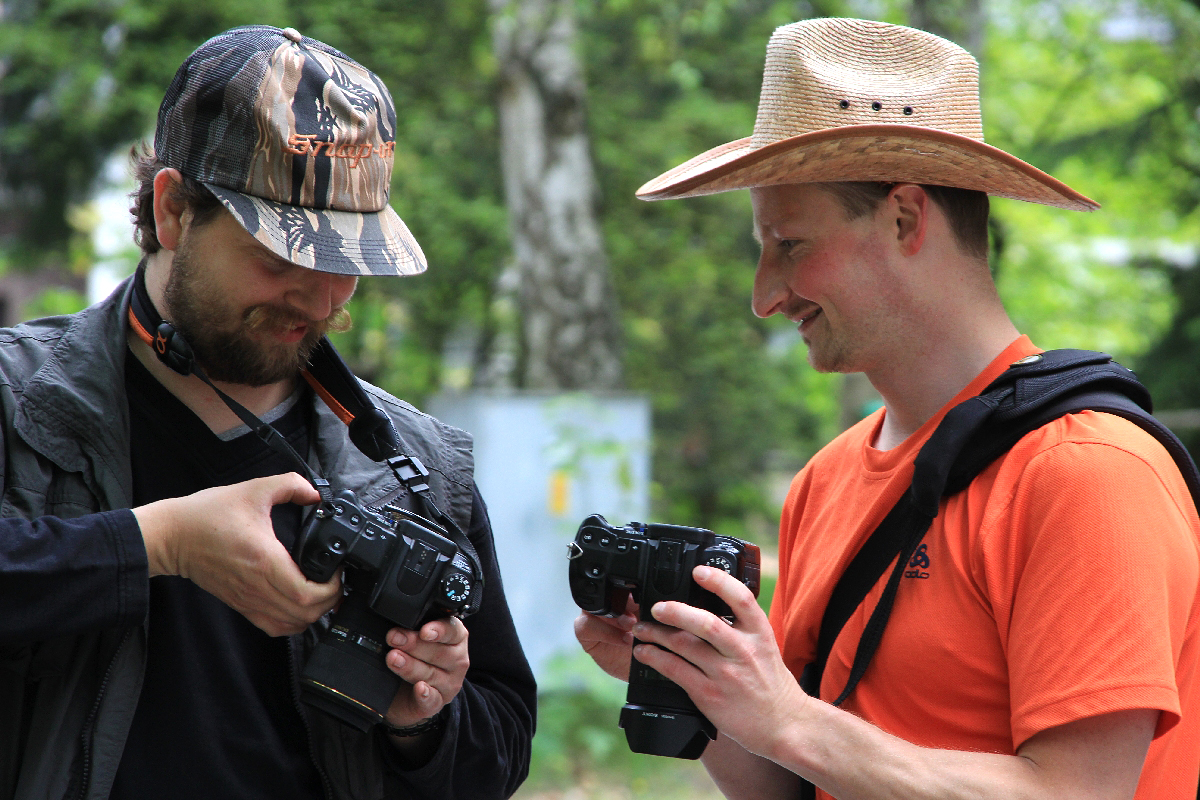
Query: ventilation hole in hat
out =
(877, 105)
(908, 111)
(844, 104)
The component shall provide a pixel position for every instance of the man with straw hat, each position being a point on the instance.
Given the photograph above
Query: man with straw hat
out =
(1045, 637)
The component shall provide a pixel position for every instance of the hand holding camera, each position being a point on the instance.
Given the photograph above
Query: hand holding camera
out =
(401, 570)
(223, 541)
(434, 660)
(609, 639)
(609, 566)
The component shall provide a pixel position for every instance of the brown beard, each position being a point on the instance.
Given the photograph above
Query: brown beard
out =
(226, 342)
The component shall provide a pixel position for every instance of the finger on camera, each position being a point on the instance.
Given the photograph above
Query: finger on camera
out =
(725, 586)
(624, 622)
(694, 623)
(301, 598)
(410, 668)
(449, 658)
(670, 664)
(429, 697)
(669, 636)
(598, 630)
(448, 630)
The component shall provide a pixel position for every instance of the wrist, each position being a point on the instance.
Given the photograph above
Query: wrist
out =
(153, 520)
(428, 725)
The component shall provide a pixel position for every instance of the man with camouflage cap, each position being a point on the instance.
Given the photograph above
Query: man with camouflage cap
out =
(158, 621)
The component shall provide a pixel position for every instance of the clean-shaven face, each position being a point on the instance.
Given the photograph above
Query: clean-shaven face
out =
(823, 272)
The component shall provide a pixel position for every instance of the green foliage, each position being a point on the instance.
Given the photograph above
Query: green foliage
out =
(668, 81)
(1115, 116)
(733, 399)
(435, 57)
(54, 302)
(1171, 370)
(82, 78)
(579, 746)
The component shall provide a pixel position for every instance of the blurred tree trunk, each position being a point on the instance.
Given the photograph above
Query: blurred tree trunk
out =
(566, 307)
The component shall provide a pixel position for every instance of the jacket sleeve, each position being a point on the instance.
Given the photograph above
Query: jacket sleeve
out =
(60, 577)
(485, 747)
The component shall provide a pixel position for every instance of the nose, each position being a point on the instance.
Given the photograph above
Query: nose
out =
(769, 291)
(319, 293)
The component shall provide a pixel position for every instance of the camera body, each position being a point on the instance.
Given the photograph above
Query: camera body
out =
(654, 562)
(401, 570)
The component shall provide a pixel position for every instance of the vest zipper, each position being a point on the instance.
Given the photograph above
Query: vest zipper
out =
(88, 733)
(294, 680)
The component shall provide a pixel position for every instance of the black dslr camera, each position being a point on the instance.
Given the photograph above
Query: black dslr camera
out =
(400, 570)
(655, 562)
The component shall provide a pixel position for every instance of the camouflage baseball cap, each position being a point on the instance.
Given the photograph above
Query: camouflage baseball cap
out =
(296, 139)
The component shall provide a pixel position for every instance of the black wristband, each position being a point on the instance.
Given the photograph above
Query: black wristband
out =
(428, 725)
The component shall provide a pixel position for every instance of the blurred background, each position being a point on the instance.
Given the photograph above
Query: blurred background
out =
(602, 349)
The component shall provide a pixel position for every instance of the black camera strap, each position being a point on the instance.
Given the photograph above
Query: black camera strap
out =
(1031, 393)
(327, 373)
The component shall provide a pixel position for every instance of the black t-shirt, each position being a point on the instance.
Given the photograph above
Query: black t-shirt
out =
(217, 717)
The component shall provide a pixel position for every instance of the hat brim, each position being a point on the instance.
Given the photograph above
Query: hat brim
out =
(887, 152)
(342, 242)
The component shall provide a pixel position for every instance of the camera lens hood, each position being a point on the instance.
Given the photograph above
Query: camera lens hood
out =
(660, 731)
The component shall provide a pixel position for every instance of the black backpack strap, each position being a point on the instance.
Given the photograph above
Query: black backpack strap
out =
(896, 538)
(1031, 393)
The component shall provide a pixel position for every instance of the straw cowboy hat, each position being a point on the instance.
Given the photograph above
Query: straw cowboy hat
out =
(857, 100)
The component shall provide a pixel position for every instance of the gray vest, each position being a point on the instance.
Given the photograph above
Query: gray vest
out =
(66, 705)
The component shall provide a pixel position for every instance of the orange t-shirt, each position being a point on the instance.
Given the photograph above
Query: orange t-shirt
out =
(1063, 583)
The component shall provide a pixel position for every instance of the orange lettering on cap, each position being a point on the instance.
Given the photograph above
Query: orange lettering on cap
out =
(299, 143)
(307, 143)
(363, 151)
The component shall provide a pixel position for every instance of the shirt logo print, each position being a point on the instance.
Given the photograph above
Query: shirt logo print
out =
(919, 563)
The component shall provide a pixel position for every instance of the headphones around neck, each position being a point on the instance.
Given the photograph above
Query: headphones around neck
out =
(370, 429)
(327, 373)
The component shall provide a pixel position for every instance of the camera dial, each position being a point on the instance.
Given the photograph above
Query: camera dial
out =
(456, 588)
(721, 556)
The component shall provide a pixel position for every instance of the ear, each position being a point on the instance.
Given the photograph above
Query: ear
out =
(168, 211)
(909, 206)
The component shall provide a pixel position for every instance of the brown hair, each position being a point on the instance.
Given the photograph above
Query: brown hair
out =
(965, 209)
(193, 194)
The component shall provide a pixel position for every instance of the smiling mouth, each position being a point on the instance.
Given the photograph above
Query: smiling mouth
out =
(803, 320)
(294, 333)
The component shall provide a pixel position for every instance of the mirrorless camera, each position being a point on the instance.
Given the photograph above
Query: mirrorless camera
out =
(654, 562)
(400, 570)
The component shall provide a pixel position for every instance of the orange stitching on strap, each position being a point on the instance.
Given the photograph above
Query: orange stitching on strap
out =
(141, 332)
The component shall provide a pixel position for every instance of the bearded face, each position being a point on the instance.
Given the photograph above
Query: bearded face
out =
(249, 345)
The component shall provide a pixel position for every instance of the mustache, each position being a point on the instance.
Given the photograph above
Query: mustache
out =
(272, 318)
